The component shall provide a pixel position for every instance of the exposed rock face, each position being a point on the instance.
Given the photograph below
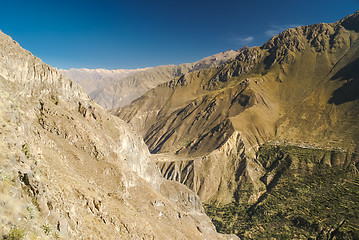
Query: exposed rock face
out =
(118, 88)
(71, 170)
(301, 87)
(209, 175)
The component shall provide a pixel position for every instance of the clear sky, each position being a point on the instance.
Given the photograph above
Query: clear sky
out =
(136, 33)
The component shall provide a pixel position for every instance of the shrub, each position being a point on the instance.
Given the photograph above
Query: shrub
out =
(15, 234)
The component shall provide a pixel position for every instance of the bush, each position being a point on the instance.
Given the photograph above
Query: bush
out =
(15, 234)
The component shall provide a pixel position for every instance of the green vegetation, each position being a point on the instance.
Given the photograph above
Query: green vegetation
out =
(32, 211)
(47, 229)
(306, 199)
(26, 150)
(15, 234)
(56, 235)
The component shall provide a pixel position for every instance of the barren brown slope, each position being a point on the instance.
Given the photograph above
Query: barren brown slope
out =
(301, 87)
(70, 170)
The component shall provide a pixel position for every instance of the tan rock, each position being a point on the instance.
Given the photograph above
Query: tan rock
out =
(70, 170)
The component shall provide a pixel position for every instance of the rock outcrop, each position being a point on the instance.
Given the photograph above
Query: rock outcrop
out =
(70, 170)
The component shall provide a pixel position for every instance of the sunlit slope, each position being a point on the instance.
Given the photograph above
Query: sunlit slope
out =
(301, 88)
(71, 170)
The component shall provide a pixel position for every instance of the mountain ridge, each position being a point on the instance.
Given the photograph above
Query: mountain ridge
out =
(297, 92)
(115, 90)
(70, 170)
(277, 92)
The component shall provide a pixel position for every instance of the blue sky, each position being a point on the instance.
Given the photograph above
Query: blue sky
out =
(129, 34)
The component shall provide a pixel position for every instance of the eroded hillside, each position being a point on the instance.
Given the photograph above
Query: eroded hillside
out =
(70, 170)
(298, 89)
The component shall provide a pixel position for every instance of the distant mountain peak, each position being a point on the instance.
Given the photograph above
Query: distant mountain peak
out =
(116, 88)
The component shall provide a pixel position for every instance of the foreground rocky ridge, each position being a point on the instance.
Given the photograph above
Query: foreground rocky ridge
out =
(300, 88)
(70, 170)
(118, 88)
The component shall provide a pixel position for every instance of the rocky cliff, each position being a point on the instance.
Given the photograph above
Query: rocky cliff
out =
(70, 170)
(118, 88)
(298, 89)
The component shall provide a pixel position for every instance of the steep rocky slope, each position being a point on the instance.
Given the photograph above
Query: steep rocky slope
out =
(298, 89)
(117, 88)
(70, 170)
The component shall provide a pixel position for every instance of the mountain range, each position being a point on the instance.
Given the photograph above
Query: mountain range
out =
(117, 88)
(70, 170)
(258, 143)
(238, 134)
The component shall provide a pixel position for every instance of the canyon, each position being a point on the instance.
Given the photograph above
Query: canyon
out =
(298, 92)
(70, 170)
(257, 143)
